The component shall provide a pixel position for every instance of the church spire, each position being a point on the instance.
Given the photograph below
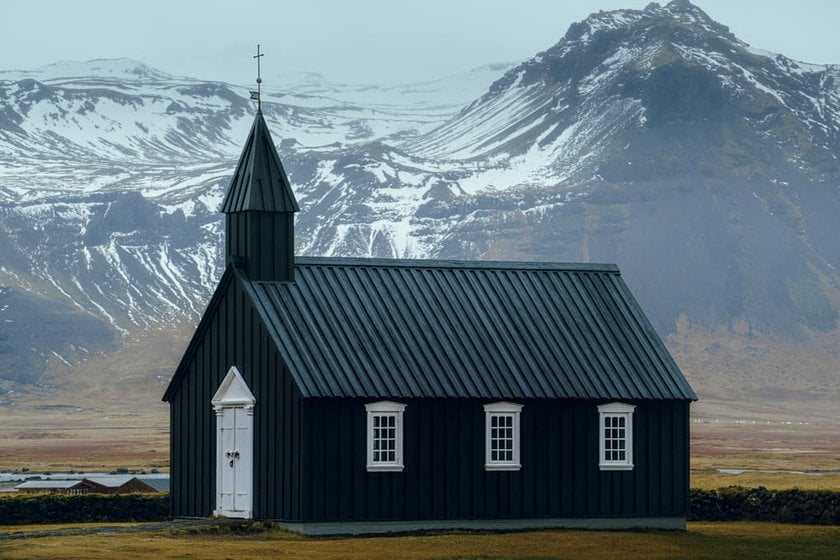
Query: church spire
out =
(259, 209)
(259, 182)
(258, 56)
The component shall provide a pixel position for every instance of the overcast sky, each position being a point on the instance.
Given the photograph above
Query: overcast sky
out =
(384, 41)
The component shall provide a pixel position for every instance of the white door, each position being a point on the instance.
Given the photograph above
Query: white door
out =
(233, 404)
(235, 462)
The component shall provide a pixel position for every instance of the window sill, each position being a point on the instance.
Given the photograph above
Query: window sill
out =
(385, 468)
(502, 467)
(615, 467)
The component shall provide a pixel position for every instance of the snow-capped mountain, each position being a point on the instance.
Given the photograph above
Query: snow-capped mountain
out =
(111, 174)
(652, 138)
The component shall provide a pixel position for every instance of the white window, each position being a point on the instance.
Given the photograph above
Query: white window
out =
(502, 436)
(615, 422)
(384, 436)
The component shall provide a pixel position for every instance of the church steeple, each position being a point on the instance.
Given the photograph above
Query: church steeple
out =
(259, 182)
(259, 210)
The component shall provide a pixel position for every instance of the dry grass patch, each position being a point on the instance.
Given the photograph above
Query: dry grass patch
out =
(745, 541)
(18, 529)
(712, 480)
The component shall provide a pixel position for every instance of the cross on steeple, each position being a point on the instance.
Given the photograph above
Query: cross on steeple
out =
(258, 56)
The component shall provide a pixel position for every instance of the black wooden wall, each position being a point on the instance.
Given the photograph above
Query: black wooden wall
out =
(233, 335)
(310, 453)
(444, 476)
(265, 240)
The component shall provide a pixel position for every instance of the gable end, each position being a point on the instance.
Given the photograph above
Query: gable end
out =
(198, 335)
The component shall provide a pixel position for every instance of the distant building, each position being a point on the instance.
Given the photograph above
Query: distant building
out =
(53, 486)
(159, 484)
(372, 395)
(92, 485)
(119, 485)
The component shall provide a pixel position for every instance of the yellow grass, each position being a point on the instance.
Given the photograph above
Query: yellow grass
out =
(712, 480)
(12, 529)
(745, 541)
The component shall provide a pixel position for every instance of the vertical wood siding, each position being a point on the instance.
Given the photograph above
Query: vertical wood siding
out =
(444, 476)
(235, 336)
(310, 453)
(265, 240)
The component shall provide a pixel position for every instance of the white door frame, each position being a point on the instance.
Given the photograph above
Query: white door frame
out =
(232, 396)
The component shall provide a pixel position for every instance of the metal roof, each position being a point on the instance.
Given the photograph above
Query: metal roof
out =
(46, 484)
(159, 484)
(405, 329)
(259, 182)
(111, 481)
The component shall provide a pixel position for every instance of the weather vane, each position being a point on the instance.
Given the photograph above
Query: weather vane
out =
(257, 94)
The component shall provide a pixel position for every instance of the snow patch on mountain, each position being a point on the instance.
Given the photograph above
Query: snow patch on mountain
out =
(118, 68)
(112, 174)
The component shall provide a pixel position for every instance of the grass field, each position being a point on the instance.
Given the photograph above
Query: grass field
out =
(743, 541)
(712, 480)
(12, 529)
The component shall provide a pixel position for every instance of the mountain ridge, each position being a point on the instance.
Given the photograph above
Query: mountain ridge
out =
(652, 138)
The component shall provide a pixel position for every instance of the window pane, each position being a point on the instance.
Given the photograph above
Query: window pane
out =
(615, 437)
(383, 436)
(501, 438)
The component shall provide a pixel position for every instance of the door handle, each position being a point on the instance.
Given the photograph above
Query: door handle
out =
(232, 455)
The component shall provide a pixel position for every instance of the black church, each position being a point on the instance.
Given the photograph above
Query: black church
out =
(370, 395)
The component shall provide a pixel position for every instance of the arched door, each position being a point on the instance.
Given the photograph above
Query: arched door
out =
(234, 407)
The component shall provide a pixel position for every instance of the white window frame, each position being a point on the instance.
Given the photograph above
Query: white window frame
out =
(501, 409)
(385, 409)
(615, 410)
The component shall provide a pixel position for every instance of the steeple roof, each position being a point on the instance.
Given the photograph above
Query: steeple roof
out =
(259, 182)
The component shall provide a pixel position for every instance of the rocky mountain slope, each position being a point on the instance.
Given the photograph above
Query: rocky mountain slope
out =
(707, 169)
(111, 173)
(656, 139)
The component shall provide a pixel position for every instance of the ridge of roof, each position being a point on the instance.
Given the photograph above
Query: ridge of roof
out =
(259, 181)
(462, 264)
